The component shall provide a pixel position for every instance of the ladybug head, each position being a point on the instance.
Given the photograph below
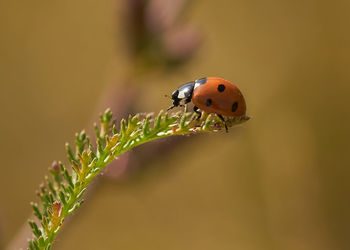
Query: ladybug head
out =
(184, 92)
(175, 98)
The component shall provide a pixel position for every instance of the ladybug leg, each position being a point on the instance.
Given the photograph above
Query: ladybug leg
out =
(185, 103)
(223, 119)
(195, 109)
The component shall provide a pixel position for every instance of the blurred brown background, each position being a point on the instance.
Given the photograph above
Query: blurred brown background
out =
(280, 181)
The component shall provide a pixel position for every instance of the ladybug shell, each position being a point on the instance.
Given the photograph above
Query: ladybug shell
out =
(219, 96)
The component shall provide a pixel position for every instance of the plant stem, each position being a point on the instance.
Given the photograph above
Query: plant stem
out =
(64, 195)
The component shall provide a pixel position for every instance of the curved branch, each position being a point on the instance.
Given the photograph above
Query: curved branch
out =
(61, 195)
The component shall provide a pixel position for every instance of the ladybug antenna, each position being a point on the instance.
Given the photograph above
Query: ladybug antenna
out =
(171, 107)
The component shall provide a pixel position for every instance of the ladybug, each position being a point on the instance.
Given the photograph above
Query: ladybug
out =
(212, 95)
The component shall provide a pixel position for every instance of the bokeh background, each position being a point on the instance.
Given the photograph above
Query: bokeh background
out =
(280, 181)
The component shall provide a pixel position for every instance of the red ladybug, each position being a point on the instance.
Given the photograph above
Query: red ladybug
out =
(212, 95)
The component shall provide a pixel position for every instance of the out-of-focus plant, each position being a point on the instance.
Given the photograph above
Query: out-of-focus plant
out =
(62, 192)
(157, 34)
(158, 37)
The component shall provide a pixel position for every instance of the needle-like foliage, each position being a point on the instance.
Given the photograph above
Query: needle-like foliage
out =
(62, 192)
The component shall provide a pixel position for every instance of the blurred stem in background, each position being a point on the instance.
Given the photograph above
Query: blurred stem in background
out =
(156, 35)
(157, 38)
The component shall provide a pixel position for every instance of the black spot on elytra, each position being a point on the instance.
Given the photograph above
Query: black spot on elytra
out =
(208, 103)
(234, 106)
(221, 88)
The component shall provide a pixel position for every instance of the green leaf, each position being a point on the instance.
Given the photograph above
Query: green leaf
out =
(68, 177)
(75, 207)
(145, 126)
(80, 142)
(41, 242)
(31, 245)
(63, 197)
(158, 120)
(122, 127)
(97, 131)
(50, 185)
(70, 154)
(36, 210)
(35, 228)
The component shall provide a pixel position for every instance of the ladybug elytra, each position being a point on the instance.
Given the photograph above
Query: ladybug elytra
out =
(212, 95)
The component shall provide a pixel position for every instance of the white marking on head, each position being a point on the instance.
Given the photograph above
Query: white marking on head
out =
(182, 93)
(197, 85)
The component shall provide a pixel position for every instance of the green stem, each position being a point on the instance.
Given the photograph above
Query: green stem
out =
(67, 196)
